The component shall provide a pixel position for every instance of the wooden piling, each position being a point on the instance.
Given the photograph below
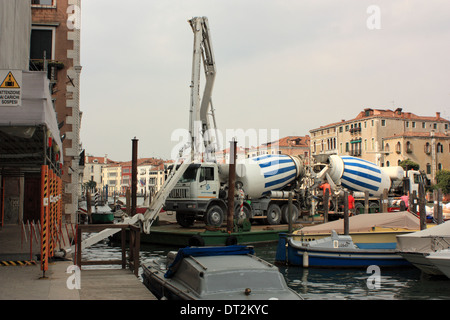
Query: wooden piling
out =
(366, 202)
(437, 200)
(231, 187)
(290, 213)
(346, 214)
(413, 202)
(384, 201)
(134, 176)
(326, 197)
(422, 209)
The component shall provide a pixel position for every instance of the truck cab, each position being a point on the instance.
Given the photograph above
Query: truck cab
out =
(196, 193)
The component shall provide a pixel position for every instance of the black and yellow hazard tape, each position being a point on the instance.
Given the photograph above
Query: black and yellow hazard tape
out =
(10, 263)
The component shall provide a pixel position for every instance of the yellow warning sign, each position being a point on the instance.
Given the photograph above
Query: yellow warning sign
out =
(10, 82)
(10, 88)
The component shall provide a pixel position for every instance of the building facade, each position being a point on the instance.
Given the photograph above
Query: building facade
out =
(55, 48)
(93, 167)
(290, 145)
(117, 176)
(387, 137)
(431, 150)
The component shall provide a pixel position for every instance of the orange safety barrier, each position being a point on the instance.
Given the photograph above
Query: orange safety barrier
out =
(44, 219)
(51, 217)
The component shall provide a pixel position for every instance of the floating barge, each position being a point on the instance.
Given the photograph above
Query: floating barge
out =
(198, 235)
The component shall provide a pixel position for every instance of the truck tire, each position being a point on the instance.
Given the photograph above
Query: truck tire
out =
(374, 207)
(359, 208)
(214, 216)
(273, 214)
(185, 220)
(285, 214)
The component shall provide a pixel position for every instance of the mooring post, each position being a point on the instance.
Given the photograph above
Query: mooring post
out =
(346, 215)
(384, 201)
(231, 187)
(326, 196)
(413, 202)
(437, 199)
(134, 176)
(366, 201)
(422, 209)
(290, 213)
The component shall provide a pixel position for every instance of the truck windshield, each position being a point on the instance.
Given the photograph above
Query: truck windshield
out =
(189, 175)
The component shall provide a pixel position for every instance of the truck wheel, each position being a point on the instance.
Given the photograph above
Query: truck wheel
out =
(273, 214)
(359, 208)
(214, 216)
(285, 214)
(184, 220)
(374, 207)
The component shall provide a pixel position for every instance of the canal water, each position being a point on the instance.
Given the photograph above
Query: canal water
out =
(320, 284)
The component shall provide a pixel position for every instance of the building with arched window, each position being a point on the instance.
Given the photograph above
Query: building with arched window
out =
(425, 148)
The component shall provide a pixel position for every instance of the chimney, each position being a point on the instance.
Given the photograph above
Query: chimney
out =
(438, 115)
(105, 159)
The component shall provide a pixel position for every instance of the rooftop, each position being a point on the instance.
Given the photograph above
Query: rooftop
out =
(369, 113)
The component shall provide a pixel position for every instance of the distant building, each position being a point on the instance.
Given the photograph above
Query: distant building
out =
(290, 145)
(431, 150)
(118, 176)
(93, 168)
(112, 176)
(387, 137)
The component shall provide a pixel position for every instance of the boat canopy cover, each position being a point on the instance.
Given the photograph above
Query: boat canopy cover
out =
(365, 223)
(206, 251)
(426, 240)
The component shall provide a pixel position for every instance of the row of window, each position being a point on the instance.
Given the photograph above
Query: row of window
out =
(409, 147)
(428, 166)
(356, 127)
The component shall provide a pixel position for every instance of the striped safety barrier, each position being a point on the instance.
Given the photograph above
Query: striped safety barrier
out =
(9, 263)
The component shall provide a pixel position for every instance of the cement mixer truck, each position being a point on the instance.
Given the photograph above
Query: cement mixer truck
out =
(261, 182)
(360, 176)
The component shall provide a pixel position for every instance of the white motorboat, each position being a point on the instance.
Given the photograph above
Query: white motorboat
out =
(441, 259)
(416, 246)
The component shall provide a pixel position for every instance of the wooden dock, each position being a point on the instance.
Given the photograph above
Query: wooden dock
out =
(112, 284)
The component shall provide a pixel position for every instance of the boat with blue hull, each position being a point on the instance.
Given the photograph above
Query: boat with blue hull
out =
(335, 251)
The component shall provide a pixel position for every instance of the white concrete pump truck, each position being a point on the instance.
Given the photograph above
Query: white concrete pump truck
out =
(202, 191)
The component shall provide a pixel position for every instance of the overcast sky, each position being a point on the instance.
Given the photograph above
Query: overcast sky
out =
(286, 65)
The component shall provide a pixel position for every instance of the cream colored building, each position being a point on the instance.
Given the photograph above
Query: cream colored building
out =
(93, 167)
(112, 176)
(372, 130)
(431, 150)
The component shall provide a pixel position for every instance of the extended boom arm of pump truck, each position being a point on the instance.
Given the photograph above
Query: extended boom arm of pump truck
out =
(202, 122)
(199, 113)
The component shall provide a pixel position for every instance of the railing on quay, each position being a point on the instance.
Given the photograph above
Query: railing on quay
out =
(134, 246)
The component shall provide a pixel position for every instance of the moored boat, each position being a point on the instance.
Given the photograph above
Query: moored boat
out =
(215, 273)
(368, 231)
(334, 251)
(416, 246)
(441, 259)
